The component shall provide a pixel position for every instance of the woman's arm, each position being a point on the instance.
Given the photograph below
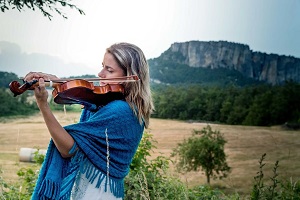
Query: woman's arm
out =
(60, 136)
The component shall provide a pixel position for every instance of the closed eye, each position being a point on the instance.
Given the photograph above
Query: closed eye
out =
(107, 68)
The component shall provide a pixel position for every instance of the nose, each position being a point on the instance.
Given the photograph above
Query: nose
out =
(101, 74)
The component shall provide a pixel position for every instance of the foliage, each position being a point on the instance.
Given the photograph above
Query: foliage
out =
(277, 189)
(204, 192)
(15, 106)
(258, 105)
(148, 179)
(22, 189)
(45, 6)
(206, 152)
(6, 78)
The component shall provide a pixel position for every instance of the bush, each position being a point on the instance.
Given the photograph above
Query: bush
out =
(148, 179)
(277, 189)
(22, 189)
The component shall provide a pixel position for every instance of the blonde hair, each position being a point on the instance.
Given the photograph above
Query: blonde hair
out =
(138, 94)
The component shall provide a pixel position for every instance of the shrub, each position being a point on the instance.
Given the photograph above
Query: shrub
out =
(206, 151)
(148, 179)
(276, 189)
(22, 189)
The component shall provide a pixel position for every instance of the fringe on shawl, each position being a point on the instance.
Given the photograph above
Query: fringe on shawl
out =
(62, 191)
(116, 186)
(49, 189)
(53, 190)
(74, 167)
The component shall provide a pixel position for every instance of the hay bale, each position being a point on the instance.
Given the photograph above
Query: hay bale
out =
(27, 154)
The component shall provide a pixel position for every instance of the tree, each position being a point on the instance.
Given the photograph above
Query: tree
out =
(6, 78)
(45, 6)
(205, 149)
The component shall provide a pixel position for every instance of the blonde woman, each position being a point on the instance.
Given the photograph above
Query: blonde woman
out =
(90, 159)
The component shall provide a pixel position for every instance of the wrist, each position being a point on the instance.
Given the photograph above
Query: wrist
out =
(43, 105)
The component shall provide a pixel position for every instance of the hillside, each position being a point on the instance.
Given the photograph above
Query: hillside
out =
(222, 63)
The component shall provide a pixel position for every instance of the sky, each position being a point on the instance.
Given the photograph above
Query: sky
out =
(270, 26)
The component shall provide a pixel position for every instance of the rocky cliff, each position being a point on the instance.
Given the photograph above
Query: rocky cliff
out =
(272, 68)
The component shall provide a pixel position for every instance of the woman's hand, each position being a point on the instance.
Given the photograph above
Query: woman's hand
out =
(40, 92)
(36, 75)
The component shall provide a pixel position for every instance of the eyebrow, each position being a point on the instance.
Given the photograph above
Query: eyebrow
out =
(105, 65)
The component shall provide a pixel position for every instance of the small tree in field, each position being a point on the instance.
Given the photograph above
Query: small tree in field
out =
(205, 149)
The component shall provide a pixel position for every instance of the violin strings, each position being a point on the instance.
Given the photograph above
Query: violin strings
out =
(123, 79)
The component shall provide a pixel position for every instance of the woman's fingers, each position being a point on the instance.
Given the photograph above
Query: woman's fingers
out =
(41, 83)
(40, 88)
(36, 75)
(32, 76)
(40, 92)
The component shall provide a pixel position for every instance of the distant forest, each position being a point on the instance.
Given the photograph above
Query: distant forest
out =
(257, 105)
(254, 104)
(10, 105)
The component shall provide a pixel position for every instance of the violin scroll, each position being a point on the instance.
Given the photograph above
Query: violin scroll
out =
(16, 88)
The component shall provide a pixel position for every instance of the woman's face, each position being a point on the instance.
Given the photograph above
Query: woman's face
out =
(110, 67)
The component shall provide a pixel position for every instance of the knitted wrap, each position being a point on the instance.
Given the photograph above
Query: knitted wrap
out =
(114, 123)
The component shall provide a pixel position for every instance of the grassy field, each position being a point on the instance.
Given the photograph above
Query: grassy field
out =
(245, 146)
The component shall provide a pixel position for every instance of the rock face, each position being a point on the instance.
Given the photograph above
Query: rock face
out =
(272, 68)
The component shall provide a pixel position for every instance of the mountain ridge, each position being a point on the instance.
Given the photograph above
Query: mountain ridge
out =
(270, 68)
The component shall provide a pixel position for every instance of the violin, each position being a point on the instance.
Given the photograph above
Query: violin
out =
(80, 91)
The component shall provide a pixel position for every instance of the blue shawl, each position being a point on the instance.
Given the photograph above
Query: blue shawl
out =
(107, 138)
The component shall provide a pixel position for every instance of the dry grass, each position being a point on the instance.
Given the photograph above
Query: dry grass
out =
(245, 145)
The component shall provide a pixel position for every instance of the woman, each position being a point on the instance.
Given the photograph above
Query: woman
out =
(90, 159)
